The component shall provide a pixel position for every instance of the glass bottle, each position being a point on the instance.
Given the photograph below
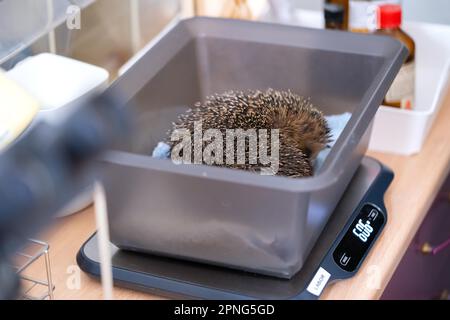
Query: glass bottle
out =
(345, 6)
(401, 94)
(334, 16)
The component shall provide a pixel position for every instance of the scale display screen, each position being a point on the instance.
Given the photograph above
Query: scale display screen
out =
(358, 238)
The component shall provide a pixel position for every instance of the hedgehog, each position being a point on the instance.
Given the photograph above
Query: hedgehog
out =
(303, 130)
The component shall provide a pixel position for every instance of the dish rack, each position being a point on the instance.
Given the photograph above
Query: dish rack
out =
(35, 286)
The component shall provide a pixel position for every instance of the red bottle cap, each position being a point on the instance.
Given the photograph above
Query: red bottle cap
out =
(390, 16)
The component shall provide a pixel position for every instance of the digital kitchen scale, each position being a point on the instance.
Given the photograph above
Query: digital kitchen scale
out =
(343, 245)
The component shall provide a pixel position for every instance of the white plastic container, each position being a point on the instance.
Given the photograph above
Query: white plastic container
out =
(57, 82)
(404, 131)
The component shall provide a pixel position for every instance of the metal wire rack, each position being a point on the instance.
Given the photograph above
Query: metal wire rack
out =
(35, 285)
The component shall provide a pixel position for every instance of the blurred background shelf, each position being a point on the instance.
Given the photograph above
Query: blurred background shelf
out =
(109, 34)
(23, 22)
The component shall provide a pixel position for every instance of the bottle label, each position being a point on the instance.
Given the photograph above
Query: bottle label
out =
(359, 18)
(402, 90)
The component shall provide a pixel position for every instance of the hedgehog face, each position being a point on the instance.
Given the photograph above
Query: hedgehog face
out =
(309, 136)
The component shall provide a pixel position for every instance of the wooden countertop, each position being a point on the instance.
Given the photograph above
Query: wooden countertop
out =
(417, 181)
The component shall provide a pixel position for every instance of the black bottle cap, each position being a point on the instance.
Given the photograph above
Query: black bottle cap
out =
(334, 13)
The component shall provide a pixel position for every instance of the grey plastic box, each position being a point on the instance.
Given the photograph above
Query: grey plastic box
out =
(262, 224)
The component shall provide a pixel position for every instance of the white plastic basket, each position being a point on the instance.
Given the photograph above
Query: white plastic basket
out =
(404, 131)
